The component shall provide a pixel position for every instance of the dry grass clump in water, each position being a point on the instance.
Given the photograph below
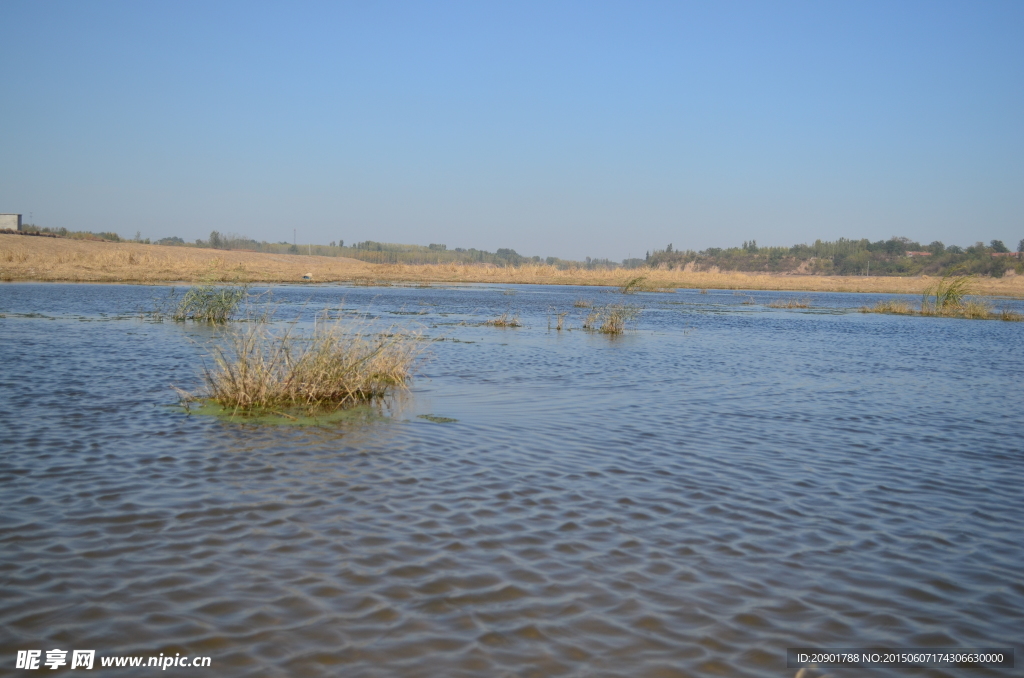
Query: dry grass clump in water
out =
(894, 306)
(210, 304)
(975, 309)
(582, 303)
(790, 303)
(612, 319)
(971, 309)
(330, 368)
(506, 319)
(1010, 316)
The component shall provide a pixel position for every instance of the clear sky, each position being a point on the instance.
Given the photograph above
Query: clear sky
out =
(566, 129)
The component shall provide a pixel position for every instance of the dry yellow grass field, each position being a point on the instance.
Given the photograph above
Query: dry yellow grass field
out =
(59, 259)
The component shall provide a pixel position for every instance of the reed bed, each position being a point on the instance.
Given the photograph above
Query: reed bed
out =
(262, 370)
(948, 298)
(891, 306)
(24, 258)
(972, 309)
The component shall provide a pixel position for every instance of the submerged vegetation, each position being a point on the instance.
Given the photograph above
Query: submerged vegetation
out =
(210, 304)
(436, 419)
(260, 370)
(790, 303)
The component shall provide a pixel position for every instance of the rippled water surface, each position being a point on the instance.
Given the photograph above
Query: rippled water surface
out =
(689, 499)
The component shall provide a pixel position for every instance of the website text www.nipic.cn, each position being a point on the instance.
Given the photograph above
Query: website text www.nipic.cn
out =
(86, 659)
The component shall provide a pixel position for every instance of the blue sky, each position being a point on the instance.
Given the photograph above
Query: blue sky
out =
(556, 128)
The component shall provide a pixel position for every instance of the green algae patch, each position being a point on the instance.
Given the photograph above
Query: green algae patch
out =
(436, 419)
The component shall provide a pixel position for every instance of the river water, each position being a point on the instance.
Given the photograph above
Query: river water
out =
(723, 482)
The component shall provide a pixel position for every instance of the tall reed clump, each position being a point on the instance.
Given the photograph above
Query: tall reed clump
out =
(612, 319)
(641, 283)
(210, 304)
(947, 296)
(951, 297)
(333, 367)
(634, 285)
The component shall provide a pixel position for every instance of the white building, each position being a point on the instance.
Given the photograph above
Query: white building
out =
(10, 222)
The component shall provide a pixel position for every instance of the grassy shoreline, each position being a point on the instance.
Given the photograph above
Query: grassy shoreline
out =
(64, 260)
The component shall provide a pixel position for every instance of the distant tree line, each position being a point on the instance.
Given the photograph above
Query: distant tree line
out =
(897, 256)
(391, 253)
